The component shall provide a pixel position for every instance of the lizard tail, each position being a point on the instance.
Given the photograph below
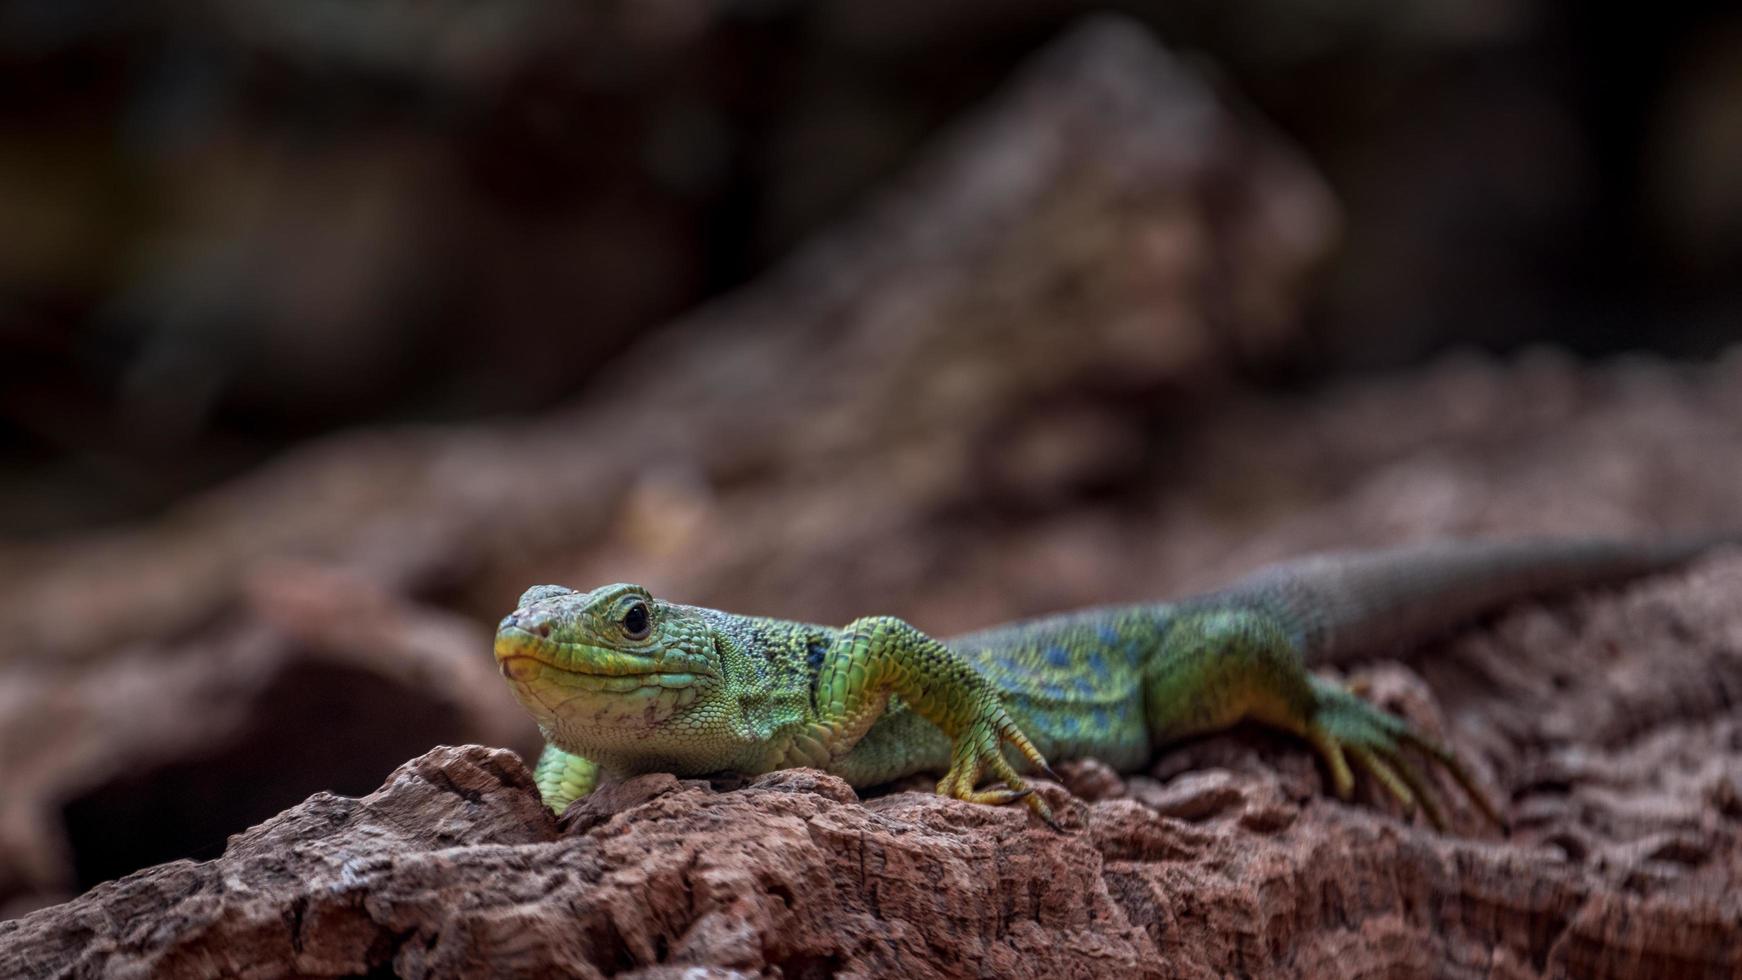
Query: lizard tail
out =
(1342, 605)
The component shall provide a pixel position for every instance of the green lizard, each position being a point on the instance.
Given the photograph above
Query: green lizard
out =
(620, 682)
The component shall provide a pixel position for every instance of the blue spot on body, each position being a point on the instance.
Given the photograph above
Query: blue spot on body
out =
(1058, 656)
(1109, 636)
(814, 652)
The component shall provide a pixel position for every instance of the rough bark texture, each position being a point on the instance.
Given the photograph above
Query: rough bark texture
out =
(1011, 387)
(1606, 718)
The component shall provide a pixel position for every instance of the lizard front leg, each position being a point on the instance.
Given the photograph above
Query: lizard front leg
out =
(563, 777)
(878, 657)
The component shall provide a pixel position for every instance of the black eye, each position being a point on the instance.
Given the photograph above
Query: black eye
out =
(635, 621)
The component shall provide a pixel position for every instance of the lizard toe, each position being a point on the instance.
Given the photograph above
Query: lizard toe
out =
(1373, 763)
(1379, 742)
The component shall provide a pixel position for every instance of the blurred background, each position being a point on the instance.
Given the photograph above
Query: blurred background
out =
(231, 225)
(327, 328)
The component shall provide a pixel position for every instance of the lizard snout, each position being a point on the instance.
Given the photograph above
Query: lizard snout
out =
(534, 621)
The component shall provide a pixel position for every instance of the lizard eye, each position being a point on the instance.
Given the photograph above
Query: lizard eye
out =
(635, 621)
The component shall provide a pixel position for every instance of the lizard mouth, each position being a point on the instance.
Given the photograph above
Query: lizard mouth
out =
(525, 657)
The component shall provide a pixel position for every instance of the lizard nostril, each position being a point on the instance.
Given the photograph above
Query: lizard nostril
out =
(538, 623)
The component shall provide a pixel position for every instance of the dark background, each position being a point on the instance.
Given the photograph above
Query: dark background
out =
(229, 226)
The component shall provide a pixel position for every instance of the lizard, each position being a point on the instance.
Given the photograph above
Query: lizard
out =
(620, 682)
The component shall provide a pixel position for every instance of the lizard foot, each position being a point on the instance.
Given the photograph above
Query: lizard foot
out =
(979, 750)
(1345, 728)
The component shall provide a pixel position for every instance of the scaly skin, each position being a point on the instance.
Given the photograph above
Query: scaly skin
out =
(622, 683)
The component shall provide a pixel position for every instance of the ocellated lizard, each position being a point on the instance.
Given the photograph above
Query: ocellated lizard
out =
(620, 682)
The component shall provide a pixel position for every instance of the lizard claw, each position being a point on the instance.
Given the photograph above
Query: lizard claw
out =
(1044, 812)
(999, 797)
(1346, 729)
(980, 750)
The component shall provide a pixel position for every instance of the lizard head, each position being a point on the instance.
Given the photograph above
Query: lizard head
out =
(602, 671)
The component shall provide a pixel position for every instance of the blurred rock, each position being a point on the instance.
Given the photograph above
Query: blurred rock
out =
(159, 749)
(228, 228)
